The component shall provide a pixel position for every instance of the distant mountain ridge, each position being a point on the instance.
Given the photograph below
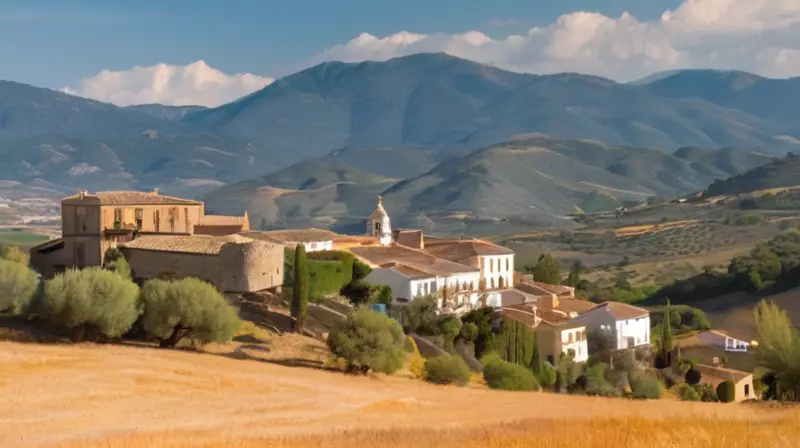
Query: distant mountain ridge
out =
(779, 173)
(531, 178)
(398, 119)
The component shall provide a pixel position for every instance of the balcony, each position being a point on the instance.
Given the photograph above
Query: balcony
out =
(120, 233)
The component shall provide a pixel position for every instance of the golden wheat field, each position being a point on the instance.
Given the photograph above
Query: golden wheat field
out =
(122, 397)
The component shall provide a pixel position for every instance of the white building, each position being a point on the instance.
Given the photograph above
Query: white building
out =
(628, 326)
(724, 339)
(496, 263)
(556, 333)
(314, 240)
(409, 281)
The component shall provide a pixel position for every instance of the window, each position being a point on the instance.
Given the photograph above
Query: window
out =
(507, 266)
(117, 218)
(377, 227)
(186, 220)
(173, 216)
(139, 216)
(81, 218)
(157, 220)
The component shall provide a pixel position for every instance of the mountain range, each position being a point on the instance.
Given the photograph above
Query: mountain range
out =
(427, 125)
(534, 180)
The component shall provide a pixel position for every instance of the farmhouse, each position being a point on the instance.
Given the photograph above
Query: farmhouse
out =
(556, 333)
(159, 233)
(627, 325)
(742, 381)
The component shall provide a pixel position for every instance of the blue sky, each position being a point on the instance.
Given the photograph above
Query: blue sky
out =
(52, 43)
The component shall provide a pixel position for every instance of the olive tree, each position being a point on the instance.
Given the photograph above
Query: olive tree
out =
(368, 341)
(18, 285)
(187, 308)
(92, 300)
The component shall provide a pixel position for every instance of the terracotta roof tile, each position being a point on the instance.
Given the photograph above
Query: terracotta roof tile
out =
(408, 270)
(621, 311)
(131, 198)
(715, 375)
(378, 255)
(460, 250)
(194, 244)
(575, 305)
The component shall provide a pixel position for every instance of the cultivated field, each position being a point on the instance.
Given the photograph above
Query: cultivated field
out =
(123, 397)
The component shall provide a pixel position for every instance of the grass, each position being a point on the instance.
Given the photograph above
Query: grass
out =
(20, 238)
(249, 395)
(778, 432)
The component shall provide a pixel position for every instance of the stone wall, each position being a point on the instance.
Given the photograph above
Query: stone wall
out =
(147, 264)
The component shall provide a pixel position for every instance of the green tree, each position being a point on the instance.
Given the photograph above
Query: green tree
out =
(575, 273)
(299, 303)
(91, 301)
(449, 328)
(469, 332)
(188, 308)
(665, 351)
(15, 254)
(18, 286)
(547, 270)
(368, 341)
(547, 376)
(358, 292)
(504, 375)
(420, 315)
(121, 267)
(778, 349)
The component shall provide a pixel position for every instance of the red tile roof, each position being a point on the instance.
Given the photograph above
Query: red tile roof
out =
(129, 198)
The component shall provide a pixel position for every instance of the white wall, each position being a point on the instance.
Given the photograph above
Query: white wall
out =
(400, 284)
(638, 329)
(317, 246)
(493, 267)
(580, 347)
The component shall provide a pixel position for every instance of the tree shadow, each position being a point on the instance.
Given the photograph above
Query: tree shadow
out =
(241, 354)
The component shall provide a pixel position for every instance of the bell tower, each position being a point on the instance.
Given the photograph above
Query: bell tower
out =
(379, 224)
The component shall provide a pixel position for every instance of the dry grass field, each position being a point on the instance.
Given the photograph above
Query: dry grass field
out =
(122, 397)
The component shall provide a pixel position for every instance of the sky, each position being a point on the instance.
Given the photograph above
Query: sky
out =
(210, 52)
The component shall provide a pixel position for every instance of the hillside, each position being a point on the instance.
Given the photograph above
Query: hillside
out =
(245, 395)
(532, 178)
(453, 105)
(780, 173)
(169, 113)
(74, 143)
(312, 193)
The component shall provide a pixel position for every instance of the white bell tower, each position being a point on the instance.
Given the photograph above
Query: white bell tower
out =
(379, 224)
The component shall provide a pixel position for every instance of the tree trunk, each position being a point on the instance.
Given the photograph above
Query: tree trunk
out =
(173, 338)
(78, 332)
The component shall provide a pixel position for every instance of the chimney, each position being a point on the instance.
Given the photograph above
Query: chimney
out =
(155, 191)
(82, 194)
(549, 302)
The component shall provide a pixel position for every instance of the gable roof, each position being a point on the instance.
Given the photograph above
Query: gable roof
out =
(578, 306)
(408, 270)
(715, 374)
(129, 198)
(395, 253)
(460, 250)
(620, 311)
(191, 244)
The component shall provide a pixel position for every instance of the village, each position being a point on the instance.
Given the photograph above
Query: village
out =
(169, 237)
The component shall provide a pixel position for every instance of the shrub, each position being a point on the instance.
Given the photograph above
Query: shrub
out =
(18, 285)
(447, 369)
(449, 327)
(469, 332)
(595, 381)
(547, 376)
(685, 392)
(693, 376)
(726, 391)
(188, 308)
(504, 375)
(121, 267)
(410, 346)
(91, 300)
(368, 340)
(643, 386)
(15, 254)
(706, 392)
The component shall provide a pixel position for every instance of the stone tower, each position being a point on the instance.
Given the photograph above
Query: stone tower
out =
(379, 224)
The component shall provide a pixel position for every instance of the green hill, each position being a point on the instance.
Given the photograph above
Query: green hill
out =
(780, 173)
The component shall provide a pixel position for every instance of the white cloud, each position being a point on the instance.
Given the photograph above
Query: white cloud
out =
(761, 36)
(193, 84)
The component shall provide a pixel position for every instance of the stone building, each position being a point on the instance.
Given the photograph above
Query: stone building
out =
(232, 263)
(93, 223)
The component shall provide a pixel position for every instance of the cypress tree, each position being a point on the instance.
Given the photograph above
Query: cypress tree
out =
(536, 357)
(666, 335)
(300, 289)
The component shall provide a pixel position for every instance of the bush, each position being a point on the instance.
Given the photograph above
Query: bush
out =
(469, 332)
(644, 387)
(726, 391)
(368, 340)
(18, 286)
(15, 254)
(447, 369)
(416, 363)
(504, 375)
(706, 392)
(299, 304)
(121, 267)
(449, 327)
(188, 308)
(685, 392)
(91, 300)
(594, 381)
(693, 376)
(547, 376)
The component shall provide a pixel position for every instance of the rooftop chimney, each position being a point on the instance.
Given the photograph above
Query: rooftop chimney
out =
(155, 191)
(81, 194)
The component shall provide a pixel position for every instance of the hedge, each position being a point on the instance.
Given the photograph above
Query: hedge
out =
(328, 271)
(726, 392)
